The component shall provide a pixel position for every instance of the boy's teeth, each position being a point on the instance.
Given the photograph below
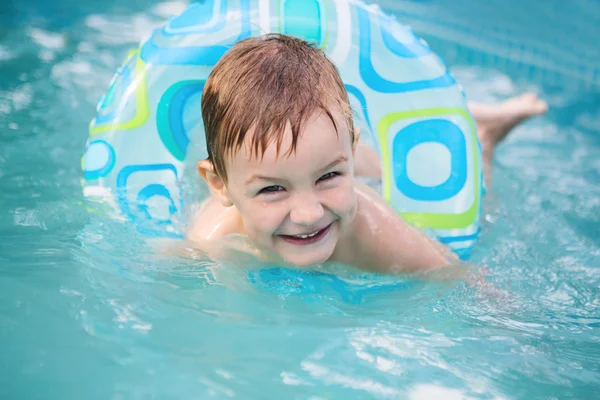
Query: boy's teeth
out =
(307, 236)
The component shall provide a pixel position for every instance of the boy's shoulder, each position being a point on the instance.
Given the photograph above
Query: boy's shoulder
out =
(380, 240)
(365, 242)
(214, 221)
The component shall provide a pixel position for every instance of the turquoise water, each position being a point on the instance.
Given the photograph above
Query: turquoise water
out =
(88, 310)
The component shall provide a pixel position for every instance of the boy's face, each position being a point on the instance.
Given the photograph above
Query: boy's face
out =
(297, 206)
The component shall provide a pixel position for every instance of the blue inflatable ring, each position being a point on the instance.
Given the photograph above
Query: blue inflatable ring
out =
(401, 92)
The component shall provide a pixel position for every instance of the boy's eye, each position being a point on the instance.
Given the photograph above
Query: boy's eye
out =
(328, 176)
(271, 189)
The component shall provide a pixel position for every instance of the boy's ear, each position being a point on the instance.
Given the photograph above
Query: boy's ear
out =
(356, 138)
(215, 182)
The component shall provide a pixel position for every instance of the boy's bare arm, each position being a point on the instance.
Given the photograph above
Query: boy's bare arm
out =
(389, 244)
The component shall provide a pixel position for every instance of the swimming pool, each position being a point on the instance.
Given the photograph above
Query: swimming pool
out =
(88, 311)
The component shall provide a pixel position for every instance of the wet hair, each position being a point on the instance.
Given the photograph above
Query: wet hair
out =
(263, 84)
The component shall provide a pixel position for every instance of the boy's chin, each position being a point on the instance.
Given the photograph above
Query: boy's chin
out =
(309, 255)
(307, 260)
(307, 263)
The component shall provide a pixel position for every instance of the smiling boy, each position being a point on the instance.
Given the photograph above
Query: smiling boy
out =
(282, 153)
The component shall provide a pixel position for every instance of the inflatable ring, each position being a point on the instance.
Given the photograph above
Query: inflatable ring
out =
(400, 90)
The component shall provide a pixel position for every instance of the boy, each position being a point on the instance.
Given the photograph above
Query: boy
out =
(283, 153)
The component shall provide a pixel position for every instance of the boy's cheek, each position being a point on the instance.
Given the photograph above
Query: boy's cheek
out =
(345, 196)
(262, 219)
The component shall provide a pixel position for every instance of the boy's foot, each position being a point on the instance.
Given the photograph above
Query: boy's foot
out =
(497, 120)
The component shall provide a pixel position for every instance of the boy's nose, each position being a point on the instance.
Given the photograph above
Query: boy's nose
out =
(307, 210)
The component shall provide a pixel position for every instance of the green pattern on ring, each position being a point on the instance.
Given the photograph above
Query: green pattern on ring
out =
(111, 94)
(430, 220)
(141, 103)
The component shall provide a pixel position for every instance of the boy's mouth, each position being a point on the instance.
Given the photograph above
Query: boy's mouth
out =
(308, 238)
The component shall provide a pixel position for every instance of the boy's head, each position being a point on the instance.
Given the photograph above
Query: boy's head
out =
(280, 140)
(262, 84)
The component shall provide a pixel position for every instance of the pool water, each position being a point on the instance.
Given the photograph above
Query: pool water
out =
(89, 310)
